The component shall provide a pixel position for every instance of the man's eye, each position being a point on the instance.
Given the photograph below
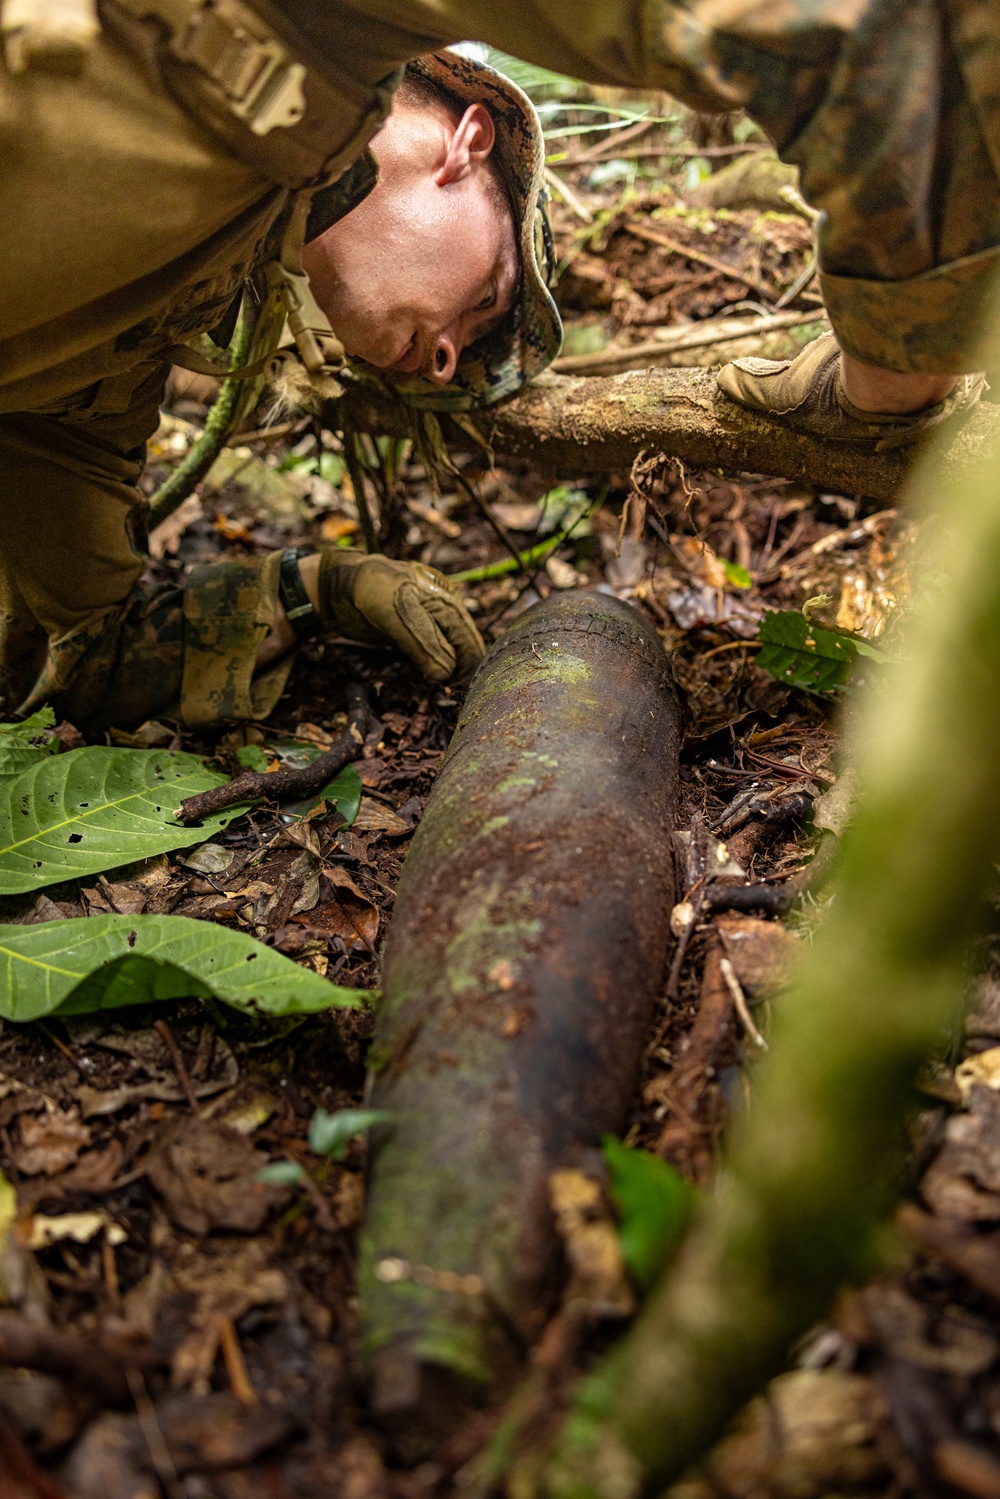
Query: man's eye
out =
(490, 300)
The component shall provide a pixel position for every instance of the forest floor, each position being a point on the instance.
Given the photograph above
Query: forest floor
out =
(133, 1146)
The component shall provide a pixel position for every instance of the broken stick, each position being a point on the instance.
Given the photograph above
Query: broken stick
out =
(288, 785)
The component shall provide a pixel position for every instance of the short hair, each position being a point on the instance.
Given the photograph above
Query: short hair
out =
(417, 91)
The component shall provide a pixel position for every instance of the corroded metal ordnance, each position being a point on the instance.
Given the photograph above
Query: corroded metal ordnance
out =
(525, 953)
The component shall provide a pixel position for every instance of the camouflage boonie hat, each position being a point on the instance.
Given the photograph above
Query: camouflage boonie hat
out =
(530, 336)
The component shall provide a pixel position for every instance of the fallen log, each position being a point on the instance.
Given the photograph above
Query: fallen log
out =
(599, 424)
(527, 947)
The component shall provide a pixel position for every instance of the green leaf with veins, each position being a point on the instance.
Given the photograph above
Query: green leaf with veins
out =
(654, 1205)
(105, 962)
(24, 744)
(95, 809)
(252, 757)
(801, 654)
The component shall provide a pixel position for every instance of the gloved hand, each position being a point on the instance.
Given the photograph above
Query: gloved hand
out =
(806, 393)
(374, 600)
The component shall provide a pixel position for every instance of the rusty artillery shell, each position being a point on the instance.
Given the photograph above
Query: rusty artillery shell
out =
(525, 953)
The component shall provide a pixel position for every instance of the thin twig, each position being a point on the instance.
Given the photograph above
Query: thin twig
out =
(569, 197)
(740, 1003)
(163, 1030)
(799, 284)
(705, 336)
(352, 457)
(236, 1365)
(288, 785)
(609, 145)
(656, 237)
(156, 1442)
(680, 151)
(487, 514)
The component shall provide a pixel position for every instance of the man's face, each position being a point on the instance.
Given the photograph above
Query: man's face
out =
(427, 263)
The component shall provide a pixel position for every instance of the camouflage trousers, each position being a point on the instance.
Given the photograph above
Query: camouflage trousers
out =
(78, 626)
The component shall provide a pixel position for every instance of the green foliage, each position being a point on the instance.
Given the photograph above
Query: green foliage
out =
(801, 654)
(252, 757)
(96, 808)
(344, 792)
(280, 1174)
(329, 1134)
(737, 575)
(106, 962)
(654, 1205)
(24, 744)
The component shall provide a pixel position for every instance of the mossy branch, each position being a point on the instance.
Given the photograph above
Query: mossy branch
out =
(599, 424)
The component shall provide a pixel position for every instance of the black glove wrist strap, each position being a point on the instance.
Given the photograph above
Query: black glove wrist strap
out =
(303, 618)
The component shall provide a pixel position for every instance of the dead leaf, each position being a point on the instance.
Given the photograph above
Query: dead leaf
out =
(45, 909)
(814, 1431)
(80, 1227)
(211, 1073)
(150, 735)
(209, 858)
(349, 1199)
(949, 1341)
(227, 1278)
(982, 1070)
(833, 809)
(165, 539)
(700, 561)
(201, 1433)
(518, 515)
(335, 526)
(763, 953)
(599, 1285)
(350, 916)
(629, 567)
(374, 818)
(963, 1181)
(206, 1175)
(48, 1143)
(92, 1176)
(694, 607)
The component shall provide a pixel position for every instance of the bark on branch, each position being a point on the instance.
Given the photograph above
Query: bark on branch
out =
(288, 785)
(598, 424)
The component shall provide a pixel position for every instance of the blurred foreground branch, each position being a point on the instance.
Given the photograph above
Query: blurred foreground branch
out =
(814, 1167)
(599, 424)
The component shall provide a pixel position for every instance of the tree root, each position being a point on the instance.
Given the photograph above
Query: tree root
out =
(288, 785)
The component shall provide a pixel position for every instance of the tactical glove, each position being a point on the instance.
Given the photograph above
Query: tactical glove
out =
(805, 392)
(373, 600)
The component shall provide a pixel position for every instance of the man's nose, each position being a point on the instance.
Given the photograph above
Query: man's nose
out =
(444, 358)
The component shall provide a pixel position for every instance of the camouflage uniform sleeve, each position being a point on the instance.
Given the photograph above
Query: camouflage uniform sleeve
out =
(888, 107)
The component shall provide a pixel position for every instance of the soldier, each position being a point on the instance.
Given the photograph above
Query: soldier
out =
(155, 164)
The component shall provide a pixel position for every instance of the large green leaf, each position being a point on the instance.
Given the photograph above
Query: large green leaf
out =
(96, 808)
(26, 743)
(103, 962)
(654, 1205)
(800, 654)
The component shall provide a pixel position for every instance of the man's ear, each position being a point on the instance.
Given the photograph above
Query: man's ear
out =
(471, 142)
